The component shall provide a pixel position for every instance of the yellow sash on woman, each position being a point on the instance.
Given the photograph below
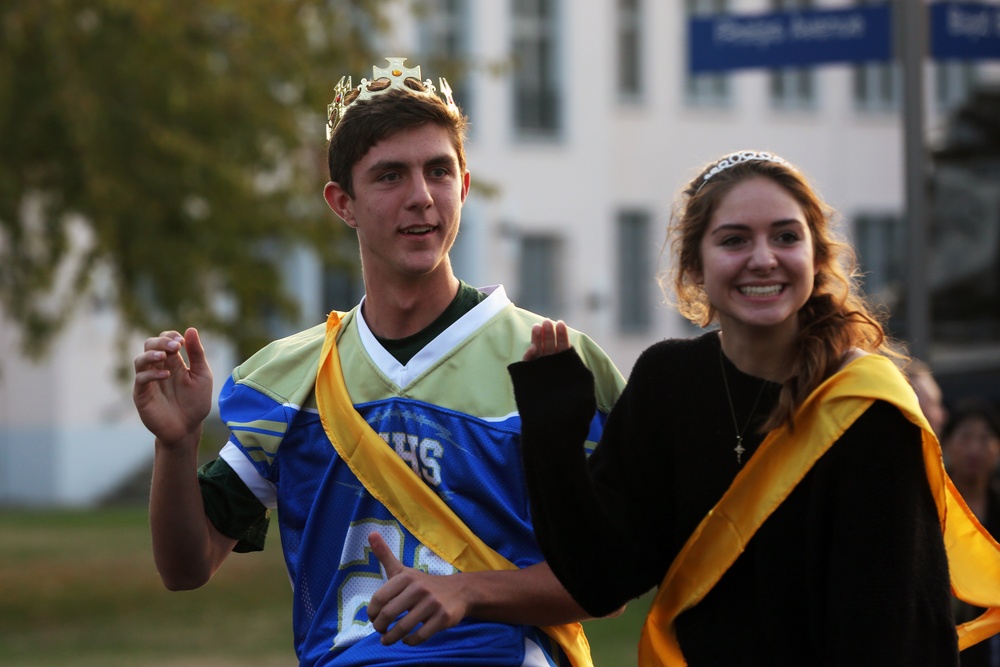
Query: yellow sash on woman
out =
(782, 460)
(394, 484)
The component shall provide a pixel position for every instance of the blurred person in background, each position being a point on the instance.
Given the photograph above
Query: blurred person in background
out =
(929, 394)
(970, 442)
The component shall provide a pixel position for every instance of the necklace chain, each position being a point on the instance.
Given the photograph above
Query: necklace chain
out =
(739, 448)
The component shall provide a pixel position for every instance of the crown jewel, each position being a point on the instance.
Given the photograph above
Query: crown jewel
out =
(396, 73)
(740, 156)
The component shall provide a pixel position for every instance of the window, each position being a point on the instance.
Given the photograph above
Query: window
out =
(876, 85)
(881, 246)
(537, 99)
(629, 49)
(465, 259)
(538, 275)
(342, 286)
(954, 81)
(712, 89)
(635, 272)
(444, 29)
(793, 87)
(444, 26)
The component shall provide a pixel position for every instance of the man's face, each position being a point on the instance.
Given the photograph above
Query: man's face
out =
(408, 196)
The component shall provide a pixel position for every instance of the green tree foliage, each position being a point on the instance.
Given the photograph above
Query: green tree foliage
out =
(161, 155)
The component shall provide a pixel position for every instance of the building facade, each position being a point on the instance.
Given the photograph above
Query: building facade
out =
(585, 124)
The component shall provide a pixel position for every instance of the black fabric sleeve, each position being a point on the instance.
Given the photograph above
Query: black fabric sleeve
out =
(888, 591)
(584, 530)
(232, 507)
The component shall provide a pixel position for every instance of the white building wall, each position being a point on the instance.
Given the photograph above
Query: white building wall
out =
(614, 154)
(68, 431)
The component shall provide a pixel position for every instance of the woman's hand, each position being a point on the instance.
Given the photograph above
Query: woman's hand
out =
(547, 338)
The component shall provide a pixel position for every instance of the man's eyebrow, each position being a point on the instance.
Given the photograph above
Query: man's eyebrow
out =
(442, 159)
(386, 165)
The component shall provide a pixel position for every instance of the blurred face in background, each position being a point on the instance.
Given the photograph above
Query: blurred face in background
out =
(972, 450)
(931, 403)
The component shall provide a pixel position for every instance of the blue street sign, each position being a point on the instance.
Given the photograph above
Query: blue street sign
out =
(965, 30)
(790, 39)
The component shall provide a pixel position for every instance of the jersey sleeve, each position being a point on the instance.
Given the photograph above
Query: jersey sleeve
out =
(608, 384)
(259, 403)
(232, 507)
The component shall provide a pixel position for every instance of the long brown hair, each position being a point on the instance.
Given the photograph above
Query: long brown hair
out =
(836, 318)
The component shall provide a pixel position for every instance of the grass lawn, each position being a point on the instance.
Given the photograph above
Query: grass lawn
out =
(79, 588)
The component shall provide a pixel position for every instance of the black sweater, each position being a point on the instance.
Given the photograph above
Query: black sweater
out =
(849, 570)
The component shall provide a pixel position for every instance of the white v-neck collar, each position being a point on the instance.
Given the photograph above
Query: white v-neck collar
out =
(431, 353)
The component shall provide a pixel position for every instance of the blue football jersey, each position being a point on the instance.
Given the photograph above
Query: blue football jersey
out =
(450, 414)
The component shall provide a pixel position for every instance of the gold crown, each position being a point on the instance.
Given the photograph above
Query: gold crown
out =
(396, 73)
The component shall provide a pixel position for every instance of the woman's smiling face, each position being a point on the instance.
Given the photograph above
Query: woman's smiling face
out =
(757, 265)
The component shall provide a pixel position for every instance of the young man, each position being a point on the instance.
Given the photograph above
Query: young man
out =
(387, 437)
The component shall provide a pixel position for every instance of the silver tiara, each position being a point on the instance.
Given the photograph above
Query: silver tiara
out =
(736, 158)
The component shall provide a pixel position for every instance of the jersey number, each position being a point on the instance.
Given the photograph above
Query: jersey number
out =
(359, 586)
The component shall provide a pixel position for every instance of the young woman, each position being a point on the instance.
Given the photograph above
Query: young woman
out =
(774, 476)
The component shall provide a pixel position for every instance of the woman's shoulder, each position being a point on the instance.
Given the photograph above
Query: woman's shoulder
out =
(679, 348)
(676, 355)
(881, 432)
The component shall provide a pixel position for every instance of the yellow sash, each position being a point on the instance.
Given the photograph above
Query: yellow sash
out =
(782, 460)
(394, 484)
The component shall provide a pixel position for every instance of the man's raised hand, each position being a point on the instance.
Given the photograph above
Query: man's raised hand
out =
(171, 396)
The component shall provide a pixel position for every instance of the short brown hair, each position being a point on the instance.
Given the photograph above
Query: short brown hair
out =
(367, 122)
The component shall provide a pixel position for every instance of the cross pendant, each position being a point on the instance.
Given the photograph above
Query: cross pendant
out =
(739, 449)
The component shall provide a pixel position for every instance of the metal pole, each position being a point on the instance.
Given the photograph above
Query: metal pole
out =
(911, 47)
